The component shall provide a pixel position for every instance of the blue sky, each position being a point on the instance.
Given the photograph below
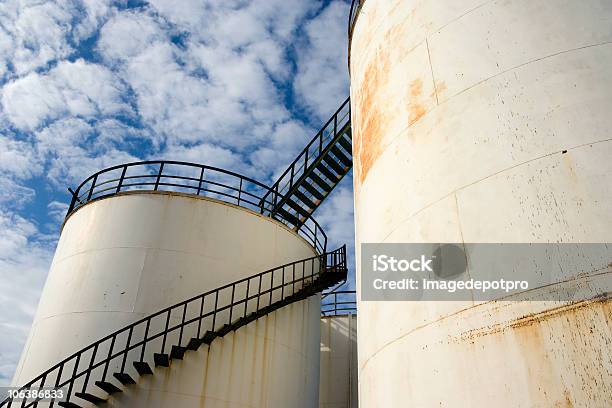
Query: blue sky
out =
(238, 84)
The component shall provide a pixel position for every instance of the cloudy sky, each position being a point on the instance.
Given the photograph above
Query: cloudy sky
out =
(238, 84)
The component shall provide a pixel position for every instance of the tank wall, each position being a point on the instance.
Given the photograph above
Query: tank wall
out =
(122, 258)
(270, 363)
(484, 122)
(338, 378)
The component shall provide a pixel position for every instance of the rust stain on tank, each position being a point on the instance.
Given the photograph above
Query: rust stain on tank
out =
(416, 88)
(536, 318)
(416, 109)
(368, 129)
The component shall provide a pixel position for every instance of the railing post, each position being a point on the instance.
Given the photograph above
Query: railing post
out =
(93, 185)
(246, 299)
(335, 125)
(182, 324)
(215, 310)
(166, 332)
(159, 174)
(127, 346)
(144, 340)
(121, 178)
(201, 179)
(240, 191)
(231, 308)
(108, 358)
(201, 314)
(74, 373)
(74, 200)
(91, 362)
(57, 382)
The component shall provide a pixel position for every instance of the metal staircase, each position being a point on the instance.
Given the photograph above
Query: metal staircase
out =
(153, 342)
(326, 159)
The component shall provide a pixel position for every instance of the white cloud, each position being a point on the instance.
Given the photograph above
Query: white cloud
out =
(40, 32)
(70, 89)
(322, 78)
(23, 266)
(127, 34)
(73, 151)
(18, 158)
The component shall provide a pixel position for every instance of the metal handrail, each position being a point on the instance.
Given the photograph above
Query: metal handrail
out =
(310, 156)
(225, 308)
(191, 178)
(338, 303)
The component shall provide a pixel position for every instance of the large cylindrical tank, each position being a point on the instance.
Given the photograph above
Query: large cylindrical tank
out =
(483, 121)
(338, 378)
(121, 258)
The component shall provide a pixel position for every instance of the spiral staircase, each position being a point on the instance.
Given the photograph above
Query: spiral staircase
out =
(96, 372)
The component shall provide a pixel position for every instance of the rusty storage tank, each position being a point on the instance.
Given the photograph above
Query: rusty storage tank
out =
(484, 121)
(124, 256)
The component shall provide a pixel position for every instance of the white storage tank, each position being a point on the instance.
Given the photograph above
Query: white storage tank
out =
(126, 256)
(484, 121)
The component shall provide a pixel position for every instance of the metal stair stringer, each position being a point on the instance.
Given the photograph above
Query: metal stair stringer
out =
(316, 171)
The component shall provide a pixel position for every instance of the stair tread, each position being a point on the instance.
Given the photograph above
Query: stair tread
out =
(327, 172)
(108, 387)
(161, 360)
(333, 163)
(288, 216)
(342, 156)
(306, 200)
(345, 143)
(313, 190)
(298, 207)
(209, 336)
(177, 352)
(224, 330)
(142, 367)
(194, 344)
(317, 179)
(89, 397)
(68, 404)
(124, 378)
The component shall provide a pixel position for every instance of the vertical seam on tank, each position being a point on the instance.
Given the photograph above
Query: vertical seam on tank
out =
(433, 77)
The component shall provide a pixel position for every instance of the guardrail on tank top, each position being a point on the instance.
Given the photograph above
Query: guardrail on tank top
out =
(190, 178)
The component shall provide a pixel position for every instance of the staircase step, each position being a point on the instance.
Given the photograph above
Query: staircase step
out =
(327, 172)
(142, 367)
(306, 200)
(265, 310)
(252, 317)
(89, 397)
(161, 360)
(333, 163)
(194, 344)
(209, 336)
(292, 219)
(317, 179)
(124, 378)
(238, 323)
(177, 352)
(342, 156)
(68, 404)
(346, 143)
(224, 330)
(313, 190)
(108, 387)
(298, 207)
